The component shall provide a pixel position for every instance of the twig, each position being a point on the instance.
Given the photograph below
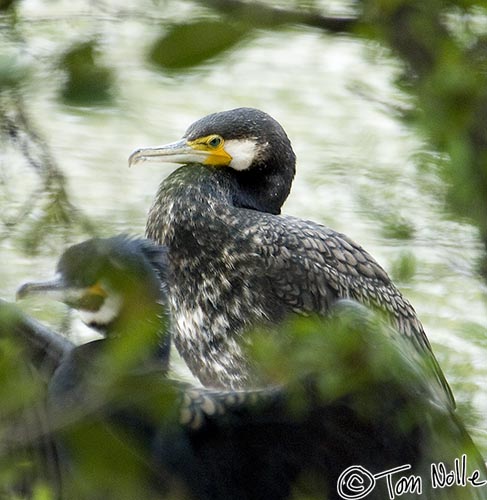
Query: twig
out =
(267, 16)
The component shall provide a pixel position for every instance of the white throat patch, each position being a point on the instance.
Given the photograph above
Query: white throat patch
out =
(243, 152)
(106, 314)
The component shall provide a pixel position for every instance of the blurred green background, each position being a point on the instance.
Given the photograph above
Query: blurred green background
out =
(386, 109)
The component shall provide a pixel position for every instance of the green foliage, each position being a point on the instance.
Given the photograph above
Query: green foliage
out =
(404, 267)
(17, 389)
(13, 71)
(350, 368)
(58, 217)
(21, 391)
(344, 354)
(48, 211)
(397, 227)
(186, 45)
(448, 79)
(42, 492)
(97, 443)
(355, 361)
(88, 82)
(6, 4)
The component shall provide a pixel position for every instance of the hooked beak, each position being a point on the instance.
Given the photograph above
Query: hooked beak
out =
(175, 152)
(54, 288)
(90, 298)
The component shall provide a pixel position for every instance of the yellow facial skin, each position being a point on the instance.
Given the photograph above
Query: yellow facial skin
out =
(97, 289)
(207, 150)
(214, 145)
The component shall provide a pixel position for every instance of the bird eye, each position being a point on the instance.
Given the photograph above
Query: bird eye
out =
(214, 142)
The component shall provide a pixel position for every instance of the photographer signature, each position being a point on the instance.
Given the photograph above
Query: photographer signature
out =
(357, 482)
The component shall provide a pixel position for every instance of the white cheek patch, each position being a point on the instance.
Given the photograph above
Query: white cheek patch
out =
(243, 152)
(106, 314)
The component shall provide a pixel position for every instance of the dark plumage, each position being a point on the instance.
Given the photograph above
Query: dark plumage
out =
(132, 433)
(236, 263)
(273, 166)
(117, 285)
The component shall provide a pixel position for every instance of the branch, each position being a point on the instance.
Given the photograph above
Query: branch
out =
(51, 195)
(257, 13)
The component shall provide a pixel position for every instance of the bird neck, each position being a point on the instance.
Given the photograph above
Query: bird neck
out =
(262, 188)
(141, 327)
(135, 344)
(190, 193)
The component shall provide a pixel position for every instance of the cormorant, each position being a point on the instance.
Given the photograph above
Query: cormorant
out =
(379, 410)
(118, 287)
(237, 263)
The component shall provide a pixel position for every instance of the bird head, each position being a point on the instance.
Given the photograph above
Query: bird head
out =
(245, 142)
(114, 283)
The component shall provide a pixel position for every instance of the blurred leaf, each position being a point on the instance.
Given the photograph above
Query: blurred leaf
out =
(87, 82)
(478, 53)
(404, 268)
(55, 219)
(6, 4)
(12, 70)
(43, 492)
(187, 45)
(482, 265)
(351, 345)
(17, 389)
(398, 227)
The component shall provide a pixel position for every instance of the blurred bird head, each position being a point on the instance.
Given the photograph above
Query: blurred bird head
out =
(117, 284)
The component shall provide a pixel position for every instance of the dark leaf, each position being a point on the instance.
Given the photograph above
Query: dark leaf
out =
(186, 45)
(12, 70)
(404, 267)
(6, 4)
(87, 82)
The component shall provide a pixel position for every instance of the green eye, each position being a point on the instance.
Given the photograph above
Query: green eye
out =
(214, 142)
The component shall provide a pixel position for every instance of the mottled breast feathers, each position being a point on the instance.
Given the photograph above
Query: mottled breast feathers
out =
(235, 268)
